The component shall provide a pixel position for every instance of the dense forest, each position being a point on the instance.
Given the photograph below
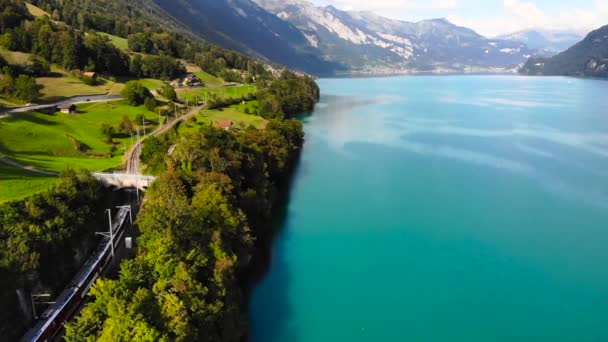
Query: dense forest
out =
(69, 38)
(198, 226)
(148, 32)
(43, 241)
(215, 196)
(288, 96)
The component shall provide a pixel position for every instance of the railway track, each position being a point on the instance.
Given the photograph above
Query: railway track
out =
(133, 155)
(52, 320)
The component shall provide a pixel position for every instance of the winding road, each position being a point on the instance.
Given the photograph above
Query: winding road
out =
(74, 100)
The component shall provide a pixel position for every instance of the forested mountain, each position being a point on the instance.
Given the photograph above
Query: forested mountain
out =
(587, 58)
(244, 26)
(547, 41)
(300, 35)
(368, 42)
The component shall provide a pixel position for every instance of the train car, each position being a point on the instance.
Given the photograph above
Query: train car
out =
(68, 302)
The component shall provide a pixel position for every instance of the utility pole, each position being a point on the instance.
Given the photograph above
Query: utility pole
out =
(111, 234)
(143, 123)
(35, 299)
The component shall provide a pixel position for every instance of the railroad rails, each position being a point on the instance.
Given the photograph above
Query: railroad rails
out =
(51, 322)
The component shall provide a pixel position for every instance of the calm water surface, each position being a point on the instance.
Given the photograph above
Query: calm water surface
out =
(445, 209)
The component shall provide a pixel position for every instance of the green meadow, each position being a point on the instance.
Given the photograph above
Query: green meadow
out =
(119, 42)
(223, 92)
(60, 141)
(16, 184)
(235, 113)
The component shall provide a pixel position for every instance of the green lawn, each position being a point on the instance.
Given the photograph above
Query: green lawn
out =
(50, 142)
(36, 11)
(150, 83)
(210, 80)
(15, 57)
(225, 92)
(237, 115)
(64, 85)
(17, 183)
(61, 84)
(119, 42)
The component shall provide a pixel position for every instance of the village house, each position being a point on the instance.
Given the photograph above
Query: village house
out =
(67, 108)
(191, 80)
(90, 74)
(225, 125)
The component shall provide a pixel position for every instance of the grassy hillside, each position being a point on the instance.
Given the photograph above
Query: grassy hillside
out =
(119, 42)
(17, 183)
(60, 141)
(16, 57)
(210, 80)
(224, 92)
(60, 84)
(36, 11)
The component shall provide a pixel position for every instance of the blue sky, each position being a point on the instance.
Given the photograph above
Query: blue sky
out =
(491, 17)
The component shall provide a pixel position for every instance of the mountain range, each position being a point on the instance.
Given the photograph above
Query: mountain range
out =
(366, 42)
(325, 40)
(547, 41)
(587, 58)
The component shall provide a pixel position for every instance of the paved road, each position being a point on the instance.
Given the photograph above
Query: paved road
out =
(135, 152)
(75, 100)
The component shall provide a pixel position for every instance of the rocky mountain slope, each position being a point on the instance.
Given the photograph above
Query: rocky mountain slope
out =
(244, 26)
(587, 58)
(367, 42)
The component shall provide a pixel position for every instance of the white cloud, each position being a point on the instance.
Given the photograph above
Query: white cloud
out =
(520, 15)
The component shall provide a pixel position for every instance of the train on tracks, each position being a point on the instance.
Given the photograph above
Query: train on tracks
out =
(51, 322)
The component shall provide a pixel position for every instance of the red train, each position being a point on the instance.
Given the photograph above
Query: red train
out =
(52, 320)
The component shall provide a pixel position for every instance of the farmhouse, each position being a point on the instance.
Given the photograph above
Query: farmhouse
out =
(67, 108)
(90, 74)
(225, 125)
(191, 80)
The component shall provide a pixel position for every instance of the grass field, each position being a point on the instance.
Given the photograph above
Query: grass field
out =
(64, 85)
(15, 57)
(36, 11)
(224, 92)
(17, 183)
(59, 141)
(234, 113)
(151, 84)
(210, 80)
(119, 42)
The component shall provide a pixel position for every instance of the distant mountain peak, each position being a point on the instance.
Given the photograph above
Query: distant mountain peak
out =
(368, 42)
(551, 41)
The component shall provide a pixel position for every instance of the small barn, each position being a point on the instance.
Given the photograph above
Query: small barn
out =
(225, 125)
(67, 108)
(90, 74)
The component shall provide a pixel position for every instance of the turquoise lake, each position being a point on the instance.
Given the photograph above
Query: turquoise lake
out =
(445, 208)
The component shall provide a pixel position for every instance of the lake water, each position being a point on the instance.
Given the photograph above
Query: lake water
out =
(445, 209)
